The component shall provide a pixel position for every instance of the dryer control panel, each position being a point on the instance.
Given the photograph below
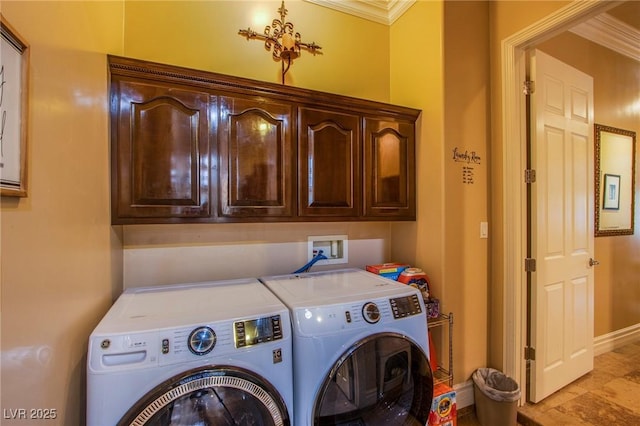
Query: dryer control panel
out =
(376, 312)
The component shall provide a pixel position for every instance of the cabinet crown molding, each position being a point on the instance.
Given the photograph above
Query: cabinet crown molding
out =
(123, 66)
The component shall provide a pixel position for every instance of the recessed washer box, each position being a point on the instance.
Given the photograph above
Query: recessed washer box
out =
(334, 247)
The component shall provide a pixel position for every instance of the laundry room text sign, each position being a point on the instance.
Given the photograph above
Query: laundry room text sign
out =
(468, 159)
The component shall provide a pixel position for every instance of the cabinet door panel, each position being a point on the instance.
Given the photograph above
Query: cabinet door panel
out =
(255, 154)
(389, 169)
(161, 152)
(159, 129)
(329, 165)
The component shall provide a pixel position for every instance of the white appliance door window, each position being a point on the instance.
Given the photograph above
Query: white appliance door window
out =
(221, 396)
(382, 380)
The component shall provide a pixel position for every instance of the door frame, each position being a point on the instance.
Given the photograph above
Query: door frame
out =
(514, 160)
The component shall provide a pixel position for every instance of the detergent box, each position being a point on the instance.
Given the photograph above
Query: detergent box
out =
(443, 408)
(388, 270)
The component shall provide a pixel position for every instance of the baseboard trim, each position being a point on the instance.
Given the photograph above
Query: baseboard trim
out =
(464, 394)
(616, 339)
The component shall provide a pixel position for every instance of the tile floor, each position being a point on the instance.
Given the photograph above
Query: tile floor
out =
(608, 395)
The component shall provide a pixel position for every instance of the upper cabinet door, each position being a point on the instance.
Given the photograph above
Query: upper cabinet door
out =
(255, 154)
(389, 169)
(160, 149)
(329, 163)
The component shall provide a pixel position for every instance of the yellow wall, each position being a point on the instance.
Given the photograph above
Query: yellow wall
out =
(60, 257)
(430, 62)
(466, 180)
(416, 80)
(354, 59)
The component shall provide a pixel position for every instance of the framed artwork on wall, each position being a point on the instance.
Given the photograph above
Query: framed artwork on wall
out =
(611, 192)
(14, 77)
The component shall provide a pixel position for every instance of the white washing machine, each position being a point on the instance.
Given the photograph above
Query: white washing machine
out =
(360, 349)
(217, 353)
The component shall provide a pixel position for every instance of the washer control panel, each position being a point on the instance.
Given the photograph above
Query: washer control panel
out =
(405, 306)
(259, 330)
(168, 346)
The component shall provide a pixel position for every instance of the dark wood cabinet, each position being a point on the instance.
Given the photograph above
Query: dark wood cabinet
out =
(255, 158)
(329, 163)
(389, 169)
(160, 154)
(196, 146)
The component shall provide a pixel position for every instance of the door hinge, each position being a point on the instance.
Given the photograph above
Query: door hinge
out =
(530, 264)
(528, 87)
(529, 353)
(529, 176)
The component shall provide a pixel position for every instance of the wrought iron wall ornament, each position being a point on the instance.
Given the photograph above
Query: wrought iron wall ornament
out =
(285, 43)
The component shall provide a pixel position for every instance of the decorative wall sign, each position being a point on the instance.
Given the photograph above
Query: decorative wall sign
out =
(14, 73)
(460, 156)
(468, 158)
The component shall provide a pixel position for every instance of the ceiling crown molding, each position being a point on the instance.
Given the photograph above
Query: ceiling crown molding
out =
(381, 11)
(612, 33)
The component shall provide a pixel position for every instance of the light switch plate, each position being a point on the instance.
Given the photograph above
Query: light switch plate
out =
(484, 230)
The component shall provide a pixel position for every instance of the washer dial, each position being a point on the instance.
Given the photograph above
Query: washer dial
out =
(202, 340)
(371, 313)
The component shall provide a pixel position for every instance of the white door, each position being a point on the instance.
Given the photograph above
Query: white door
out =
(562, 235)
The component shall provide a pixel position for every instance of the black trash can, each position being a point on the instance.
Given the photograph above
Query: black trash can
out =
(496, 397)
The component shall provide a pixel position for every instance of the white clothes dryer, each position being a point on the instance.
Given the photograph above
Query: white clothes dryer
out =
(216, 353)
(360, 349)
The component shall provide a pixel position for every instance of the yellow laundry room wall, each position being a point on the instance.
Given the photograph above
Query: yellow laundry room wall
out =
(61, 260)
(354, 59)
(452, 91)
(466, 170)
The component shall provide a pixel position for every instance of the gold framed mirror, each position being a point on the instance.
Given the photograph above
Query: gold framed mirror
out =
(615, 171)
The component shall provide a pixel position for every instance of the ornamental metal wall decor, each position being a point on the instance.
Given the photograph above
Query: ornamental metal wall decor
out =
(280, 37)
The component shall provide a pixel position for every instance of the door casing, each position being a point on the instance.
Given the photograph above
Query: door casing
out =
(514, 144)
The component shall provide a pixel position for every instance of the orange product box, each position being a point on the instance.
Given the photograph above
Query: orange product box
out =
(388, 270)
(443, 408)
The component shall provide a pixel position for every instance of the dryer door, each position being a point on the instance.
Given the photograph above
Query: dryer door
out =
(214, 396)
(384, 379)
